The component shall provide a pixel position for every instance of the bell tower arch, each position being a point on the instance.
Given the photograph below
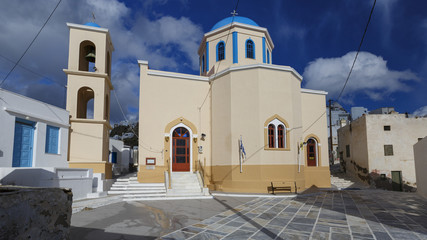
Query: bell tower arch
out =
(89, 83)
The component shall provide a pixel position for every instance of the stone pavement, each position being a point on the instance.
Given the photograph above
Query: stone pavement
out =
(353, 214)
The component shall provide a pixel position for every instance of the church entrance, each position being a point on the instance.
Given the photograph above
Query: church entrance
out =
(181, 150)
(311, 153)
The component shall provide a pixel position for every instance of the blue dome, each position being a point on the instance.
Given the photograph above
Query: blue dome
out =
(228, 20)
(92, 24)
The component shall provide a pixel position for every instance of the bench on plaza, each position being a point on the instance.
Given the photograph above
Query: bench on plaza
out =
(282, 186)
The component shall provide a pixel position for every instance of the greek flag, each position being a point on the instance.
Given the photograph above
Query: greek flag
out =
(242, 149)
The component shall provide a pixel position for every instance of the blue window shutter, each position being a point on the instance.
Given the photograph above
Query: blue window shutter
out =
(52, 139)
(235, 48)
(263, 50)
(268, 56)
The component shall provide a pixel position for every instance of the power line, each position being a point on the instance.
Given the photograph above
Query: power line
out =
(34, 72)
(358, 50)
(16, 64)
(149, 148)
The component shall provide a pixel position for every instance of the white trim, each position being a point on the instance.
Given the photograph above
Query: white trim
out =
(171, 147)
(258, 65)
(85, 27)
(142, 62)
(253, 195)
(317, 151)
(305, 90)
(177, 75)
(276, 122)
(35, 117)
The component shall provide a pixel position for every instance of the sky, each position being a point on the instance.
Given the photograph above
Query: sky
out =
(319, 39)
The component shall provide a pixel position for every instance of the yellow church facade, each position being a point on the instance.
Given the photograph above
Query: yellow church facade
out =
(241, 124)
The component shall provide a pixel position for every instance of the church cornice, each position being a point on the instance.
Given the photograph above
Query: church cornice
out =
(259, 65)
(91, 74)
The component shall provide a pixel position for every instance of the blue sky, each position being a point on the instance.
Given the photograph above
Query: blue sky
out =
(317, 38)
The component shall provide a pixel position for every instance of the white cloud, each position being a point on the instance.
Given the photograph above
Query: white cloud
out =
(166, 42)
(370, 76)
(421, 112)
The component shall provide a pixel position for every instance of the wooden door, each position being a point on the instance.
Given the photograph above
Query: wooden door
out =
(23, 145)
(311, 153)
(181, 150)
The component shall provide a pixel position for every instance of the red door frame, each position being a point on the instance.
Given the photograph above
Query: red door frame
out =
(181, 150)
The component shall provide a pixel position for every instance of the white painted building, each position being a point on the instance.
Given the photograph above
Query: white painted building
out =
(34, 147)
(378, 149)
(420, 155)
(33, 133)
(119, 156)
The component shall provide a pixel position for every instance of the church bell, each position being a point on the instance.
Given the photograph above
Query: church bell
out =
(90, 57)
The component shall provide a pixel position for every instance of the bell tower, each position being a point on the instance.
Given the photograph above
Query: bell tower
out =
(88, 97)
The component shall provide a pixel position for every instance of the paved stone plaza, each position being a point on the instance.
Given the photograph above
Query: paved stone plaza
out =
(357, 214)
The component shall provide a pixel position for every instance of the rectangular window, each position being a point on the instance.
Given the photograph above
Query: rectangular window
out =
(388, 150)
(52, 139)
(347, 150)
(387, 128)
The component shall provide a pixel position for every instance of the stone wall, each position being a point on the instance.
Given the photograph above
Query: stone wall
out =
(35, 213)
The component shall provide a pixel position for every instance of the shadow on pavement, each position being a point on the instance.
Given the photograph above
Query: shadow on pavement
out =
(81, 233)
(253, 223)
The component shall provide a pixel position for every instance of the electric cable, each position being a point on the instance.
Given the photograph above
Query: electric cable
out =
(26, 50)
(358, 50)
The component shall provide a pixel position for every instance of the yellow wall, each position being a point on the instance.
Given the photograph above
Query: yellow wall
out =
(96, 166)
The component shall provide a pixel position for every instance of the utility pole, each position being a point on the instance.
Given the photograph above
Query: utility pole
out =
(331, 155)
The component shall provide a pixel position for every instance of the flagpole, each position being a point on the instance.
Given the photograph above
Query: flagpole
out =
(240, 154)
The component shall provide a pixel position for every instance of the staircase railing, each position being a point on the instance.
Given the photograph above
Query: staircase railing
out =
(201, 170)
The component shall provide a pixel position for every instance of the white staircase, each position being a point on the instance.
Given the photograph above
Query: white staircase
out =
(186, 184)
(131, 190)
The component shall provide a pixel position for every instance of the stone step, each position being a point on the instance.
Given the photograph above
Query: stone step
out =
(167, 198)
(148, 185)
(144, 195)
(136, 191)
(136, 188)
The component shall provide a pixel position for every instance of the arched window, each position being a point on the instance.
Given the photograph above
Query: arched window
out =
(250, 49)
(220, 51)
(312, 152)
(281, 141)
(271, 136)
(276, 136)
(87, 56)
(85, 110)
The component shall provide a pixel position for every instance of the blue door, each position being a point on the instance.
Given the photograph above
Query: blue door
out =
(23, 144)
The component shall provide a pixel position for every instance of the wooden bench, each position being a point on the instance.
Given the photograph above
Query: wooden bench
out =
(282, 186)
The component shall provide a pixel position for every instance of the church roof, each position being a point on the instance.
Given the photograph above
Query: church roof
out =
(239, 19)
(92, 24)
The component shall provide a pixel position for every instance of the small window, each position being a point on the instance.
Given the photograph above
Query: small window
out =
(271, 136)
(52, 139)
(387, 128)
(388, 150)
(347, 150)
(250, 49)
(220, 54)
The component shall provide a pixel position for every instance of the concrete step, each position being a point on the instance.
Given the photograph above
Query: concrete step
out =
(136, 191)
(167, 198)
(144, 195)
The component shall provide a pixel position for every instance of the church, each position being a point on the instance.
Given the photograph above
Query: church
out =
(240, 124)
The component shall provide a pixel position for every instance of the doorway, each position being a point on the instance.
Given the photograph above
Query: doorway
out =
(311, 152)
(23, 144)
(396, 178)
(181, 150)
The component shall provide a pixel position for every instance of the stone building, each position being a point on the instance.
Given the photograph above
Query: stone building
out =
(378, 149)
